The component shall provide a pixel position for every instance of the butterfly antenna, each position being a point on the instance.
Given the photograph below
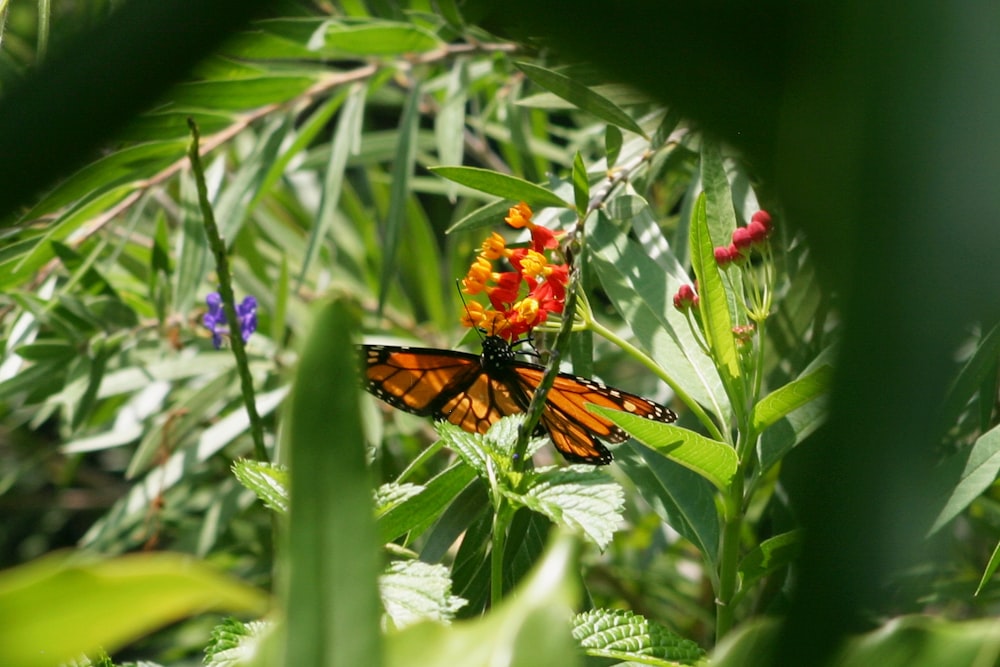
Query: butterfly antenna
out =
(461, 295)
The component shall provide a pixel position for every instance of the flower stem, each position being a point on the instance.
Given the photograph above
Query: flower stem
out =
(226, 292)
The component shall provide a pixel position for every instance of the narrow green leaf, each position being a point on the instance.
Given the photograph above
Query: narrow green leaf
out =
(425, 507)
(346, 141)
(502, 185)
(721, 214)
(48, 607)
(414, 591)
(380, 39)
(191, 248)
(486, 216)
(769, 556)
(990, 569)
(47, 351)
(449, 124)
(269, 481)
(332, 604)
(795, 394)
(242, 94)
(581, 186)
(973, 373)
(529, 629)
(402, 169)
(612, 144)
(715, 461)
(964, 477)
(581, 96)
(714, 305)
(622, 635)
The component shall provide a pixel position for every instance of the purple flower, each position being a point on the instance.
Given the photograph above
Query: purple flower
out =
(215, 319)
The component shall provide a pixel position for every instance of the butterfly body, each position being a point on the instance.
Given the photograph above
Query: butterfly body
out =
(475, 391)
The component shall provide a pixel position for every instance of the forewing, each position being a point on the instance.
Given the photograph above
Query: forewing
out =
(418, 380)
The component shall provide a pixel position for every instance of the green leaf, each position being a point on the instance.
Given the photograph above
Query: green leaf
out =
(191, 247)
(380, 39)
(964, 477)
(414, 591)
(424, 508)
(242, 94)
(48, 607)
(489, 215)
(795, 394)
(391, 495)
(581, 96)
(332, 603)
(233, 643)
(580, 498)
(612, 144)
(683, 499)
(449, 124)
(502, 185)
(714, 306)
(769, 556)
(990, 569)
(721, 214)
(529, 629)
(269, 481)
(622, 635)
(715, 461)
(581, 186)
(641, 290)
(402, 168)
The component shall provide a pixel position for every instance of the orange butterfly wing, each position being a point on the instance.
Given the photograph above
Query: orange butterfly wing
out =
(440, 383)
(573, 428)
(474, 392)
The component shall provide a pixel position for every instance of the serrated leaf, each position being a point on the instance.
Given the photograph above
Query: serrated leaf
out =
(391, 495)
(964, 477)
(581, 96)
(528, 629)
(715, 461)
(578, 497)
(48, 606)
(502, 185)
(269, 481)
(622, 635)
(795, 394)
(414, 591)
(235, 644)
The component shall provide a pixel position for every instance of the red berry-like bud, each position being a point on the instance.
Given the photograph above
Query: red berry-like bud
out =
(762, 217)
(741, 238)
(684, 298)
(722, 256)
(758, 232)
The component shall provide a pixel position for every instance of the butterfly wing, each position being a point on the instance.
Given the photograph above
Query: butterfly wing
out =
(573, 428)
(443, 384)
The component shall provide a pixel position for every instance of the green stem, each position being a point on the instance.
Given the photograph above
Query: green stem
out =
(501, 524)
(226, 292)
(692, 404)
(729, 551)
(44, 16)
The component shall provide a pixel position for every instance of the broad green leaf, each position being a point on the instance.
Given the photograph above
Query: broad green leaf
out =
(414, 591)
(769, 556)
(965, 476)
(332, 605)
(682, 498)
(622, 635)
(502, 185)
(795, 394)
(269, 481)
(580, 498)
(49, 606)
(529, 629)
(714, 305)
(719, 209)
(715, 461)
(642, 291)
(581, 96)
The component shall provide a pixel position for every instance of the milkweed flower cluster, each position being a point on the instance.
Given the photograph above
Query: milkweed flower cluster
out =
(521, 299)
(215, 319)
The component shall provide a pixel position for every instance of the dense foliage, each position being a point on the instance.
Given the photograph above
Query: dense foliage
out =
(326, 177)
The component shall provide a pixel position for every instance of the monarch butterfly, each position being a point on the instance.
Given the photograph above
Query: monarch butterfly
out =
(474, 391)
